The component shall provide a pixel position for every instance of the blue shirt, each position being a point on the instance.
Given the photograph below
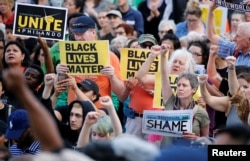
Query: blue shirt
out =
(134, 18)
(181, 29)
(33, 149)
(227, 48)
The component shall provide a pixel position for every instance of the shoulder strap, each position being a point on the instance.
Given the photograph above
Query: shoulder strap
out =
(195, 109)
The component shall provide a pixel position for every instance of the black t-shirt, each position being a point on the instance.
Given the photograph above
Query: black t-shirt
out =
(5, 112)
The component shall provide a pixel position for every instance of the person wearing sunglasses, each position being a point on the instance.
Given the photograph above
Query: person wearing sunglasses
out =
(146, 41)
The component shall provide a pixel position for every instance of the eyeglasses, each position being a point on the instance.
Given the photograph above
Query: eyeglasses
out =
(192, 20)
(196, 54)
(145, 45)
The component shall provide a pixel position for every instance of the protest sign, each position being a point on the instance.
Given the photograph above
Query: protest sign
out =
(158, 101)
(34, 20)
(84, 58)
(237, 5)
(220, 18)
(132, 59)
(168, 123)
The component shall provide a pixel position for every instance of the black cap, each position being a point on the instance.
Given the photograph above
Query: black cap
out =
(89, 85)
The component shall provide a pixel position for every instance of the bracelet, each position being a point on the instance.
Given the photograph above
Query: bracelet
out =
(230, 68)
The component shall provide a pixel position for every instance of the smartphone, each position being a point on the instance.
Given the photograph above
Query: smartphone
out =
(61, 76)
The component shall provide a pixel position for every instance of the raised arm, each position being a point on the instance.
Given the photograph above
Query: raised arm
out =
(166, 89)
(142, 74)
(232, 77)
(106, 102)
(217, 103)
(211, 34)
(49, 139)
(47, 58)
(213, 75)
(83, 138)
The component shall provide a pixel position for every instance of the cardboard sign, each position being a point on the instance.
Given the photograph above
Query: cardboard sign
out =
(237, 5)
(220, 18)
(32, 20)
(158, 101)
(84, 57)
(168, 123)
(132, 59)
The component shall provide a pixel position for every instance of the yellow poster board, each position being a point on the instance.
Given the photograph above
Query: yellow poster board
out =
(220, 18)
(84, 57)
(132, 59)
(158, 101)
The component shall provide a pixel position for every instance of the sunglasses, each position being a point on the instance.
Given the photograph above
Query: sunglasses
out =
(145, 45)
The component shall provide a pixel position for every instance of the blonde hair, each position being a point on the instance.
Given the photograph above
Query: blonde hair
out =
(193, 8)
(10, 3)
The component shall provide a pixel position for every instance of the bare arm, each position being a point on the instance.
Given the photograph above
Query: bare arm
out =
(217, 103)
(83, 138)
(232, 77)
(211, 34)
(50, 139)
(213, 75)
(213, 90)
(106, 102)
(142, 74)
(205, 131)
(166, 89)
(47, 58)
(129, 85)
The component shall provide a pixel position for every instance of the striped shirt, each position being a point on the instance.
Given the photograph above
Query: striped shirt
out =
(227, 48)
(33, 149)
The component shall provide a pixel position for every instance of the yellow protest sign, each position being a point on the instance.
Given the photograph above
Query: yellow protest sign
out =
(84, 58)
(220, 18)
(158, 101)
(132, 59)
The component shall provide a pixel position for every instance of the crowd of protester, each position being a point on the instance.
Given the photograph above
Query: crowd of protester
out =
(48, 114)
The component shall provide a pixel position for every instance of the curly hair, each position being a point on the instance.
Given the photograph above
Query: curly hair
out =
(240, 102)
(242, 106)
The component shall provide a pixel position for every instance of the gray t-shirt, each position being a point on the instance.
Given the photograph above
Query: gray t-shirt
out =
(233, 117)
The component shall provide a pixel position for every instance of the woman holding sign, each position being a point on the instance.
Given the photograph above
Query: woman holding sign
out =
(187, 85)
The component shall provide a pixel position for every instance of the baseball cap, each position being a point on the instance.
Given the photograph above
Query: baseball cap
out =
(3, 127)
(114, 12)
(82, 24)
(18, 122)
(147, 38)
(89, 85)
